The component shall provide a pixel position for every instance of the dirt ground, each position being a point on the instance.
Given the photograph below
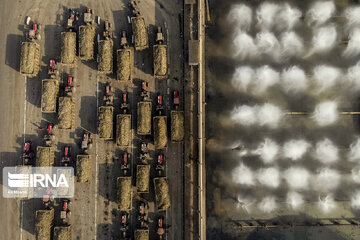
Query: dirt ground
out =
(94, 211)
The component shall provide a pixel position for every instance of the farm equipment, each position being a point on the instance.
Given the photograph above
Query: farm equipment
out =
(73, 18)
(159, 105)
(49, 137)
(86, 142)
(65, 211)
(135, 10)
(47, 199)
(176, 99)
(124, 193)
(107, 30)
(160, 131)
(44, 222)
(144, 154)
(125, 163)
(123, 40)
(52, 69)
(27, 154)
(160, 229)
(143, 215)
(124, 228)
(69, 86)
(88, 16)
(144, 93)
(124, 105)
(66, 159)
(160, 165)
(34, 32)
(83, 168)
(160, 56)
(109, 95)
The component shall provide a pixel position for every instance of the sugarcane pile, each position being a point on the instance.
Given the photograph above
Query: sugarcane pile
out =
(105, 127)
(86, 42)
(160, 132)
(124, 193)
(83, 168)
(68, 47)
(44, 156)
(162, 196)
(160, 61)
(142, 178)
(105, 50)
(124, 65)
(50, 89)
(44, 221)
(123, 130)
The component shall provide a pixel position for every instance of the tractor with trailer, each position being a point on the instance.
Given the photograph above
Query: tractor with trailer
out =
(160, 165)
(69, 88)
(144, 153)
(47, 198)
(65, 211)
(159, 105)
(125, 163)
(160, 227)
(143, 214)
(66, 158)
(124, 105)
(72, 19)
(28, 154)
(145, 95)
(52, 71)
(109, 95)
(160, 56)
(88, 16)
(86, 142)
(124, 227)
(49, 137)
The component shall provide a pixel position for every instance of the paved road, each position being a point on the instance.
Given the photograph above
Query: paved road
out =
(93, 215)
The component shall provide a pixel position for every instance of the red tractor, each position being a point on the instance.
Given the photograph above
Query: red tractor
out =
(47, 198)
(66, 159)
(160, 164)
(125, 163)
(65, 211)
(52, 69)
(142, 215)
(73, 18)
(144, 154)
(86, 142)
(144, 93)
(49, 137)
(124, 104)
(69, 86)
(176, 99)
(27, 154)
(34, 32)
(124, 226)
(160, 229)
(159, 105)
(109, 96)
